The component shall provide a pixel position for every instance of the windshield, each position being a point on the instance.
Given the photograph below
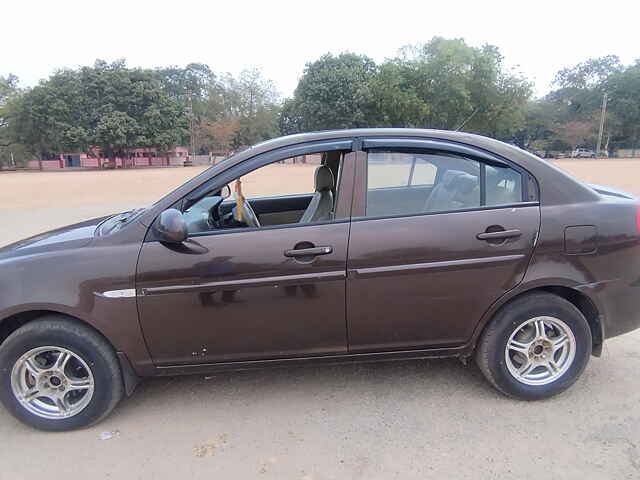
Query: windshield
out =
(201, 174)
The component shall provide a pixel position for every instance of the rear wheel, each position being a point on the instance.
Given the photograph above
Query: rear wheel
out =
(59, 374)
(535, 347)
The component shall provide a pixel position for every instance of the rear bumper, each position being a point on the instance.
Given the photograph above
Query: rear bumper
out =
(619, 305)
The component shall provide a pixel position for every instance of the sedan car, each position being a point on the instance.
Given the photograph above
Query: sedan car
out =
(583, 153)
(367, 244)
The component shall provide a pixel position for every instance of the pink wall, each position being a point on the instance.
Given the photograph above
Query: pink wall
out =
(174, 158)
(89, 162)
(46, 164)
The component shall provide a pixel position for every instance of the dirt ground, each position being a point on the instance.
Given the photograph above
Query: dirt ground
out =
(415, 420)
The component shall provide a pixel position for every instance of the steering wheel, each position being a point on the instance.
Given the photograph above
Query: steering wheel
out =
(214, 219)
(249, 217)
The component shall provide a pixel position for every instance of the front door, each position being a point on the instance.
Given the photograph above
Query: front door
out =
(233, 294)
(436, 238)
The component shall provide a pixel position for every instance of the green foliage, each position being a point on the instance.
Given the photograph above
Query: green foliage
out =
(569, 116)
(330, 94)
(224, 112)
(441, 84)
(253, 101)
(623, 88)
(588, 74)
(10, 150)
(8, 91)
(108, 106)
(388, 102)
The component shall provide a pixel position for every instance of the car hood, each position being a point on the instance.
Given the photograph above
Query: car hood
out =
(71, 236)
(611, 191)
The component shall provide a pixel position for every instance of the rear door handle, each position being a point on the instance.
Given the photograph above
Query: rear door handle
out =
(499, 235)
(308, 252)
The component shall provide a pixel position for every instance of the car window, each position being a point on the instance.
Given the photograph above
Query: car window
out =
(407, 183)
(401, 183)
(393, 169)
(503, 186)
(424, 172)
(295, 190)
(388, 169)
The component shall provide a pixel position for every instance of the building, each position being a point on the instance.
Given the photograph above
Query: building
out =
(139, 157)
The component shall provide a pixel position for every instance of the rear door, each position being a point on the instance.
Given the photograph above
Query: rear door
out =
(436, 237)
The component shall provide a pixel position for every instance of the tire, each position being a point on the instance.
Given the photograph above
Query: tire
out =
(531, 376)
(91, 368)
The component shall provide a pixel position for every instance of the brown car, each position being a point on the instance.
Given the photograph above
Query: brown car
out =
(413, 243)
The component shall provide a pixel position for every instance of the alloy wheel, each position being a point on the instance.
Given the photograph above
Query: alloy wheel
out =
(52, 382)
(540, 350)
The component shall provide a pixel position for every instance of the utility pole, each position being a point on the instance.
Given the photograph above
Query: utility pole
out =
(600, 132)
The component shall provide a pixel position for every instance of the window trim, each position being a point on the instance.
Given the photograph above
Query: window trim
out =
(266, 227)
(413, 143)
(447, 212)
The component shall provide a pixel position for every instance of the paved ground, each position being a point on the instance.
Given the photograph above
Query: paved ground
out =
(420, 419)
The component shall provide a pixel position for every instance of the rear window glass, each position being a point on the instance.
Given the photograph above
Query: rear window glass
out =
(503, 186)
(402, 183)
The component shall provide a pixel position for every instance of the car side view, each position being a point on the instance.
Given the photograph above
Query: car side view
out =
(583, 153)
(378, 244)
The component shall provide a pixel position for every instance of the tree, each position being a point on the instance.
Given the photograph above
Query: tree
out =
(189, 87)
(623, 88)
(218, 135)
(330, 94)
(387, 101)
(9, 148)
(579, 133)
(240, 111)
(441, 84)
(575, 105)
(107, 106)
(540, 131)
(466, 87)
(8, 91)
(588, 74)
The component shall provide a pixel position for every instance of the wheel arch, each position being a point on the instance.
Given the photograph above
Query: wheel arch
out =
(10, 324)
(579, 299)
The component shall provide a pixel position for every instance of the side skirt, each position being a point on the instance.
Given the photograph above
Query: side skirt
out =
(461, 352)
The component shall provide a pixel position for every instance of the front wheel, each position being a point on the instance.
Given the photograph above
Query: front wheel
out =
(58, 374)
(535, 347)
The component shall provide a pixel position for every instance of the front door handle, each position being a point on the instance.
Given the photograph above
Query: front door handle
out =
(308, 252)
(499, 235)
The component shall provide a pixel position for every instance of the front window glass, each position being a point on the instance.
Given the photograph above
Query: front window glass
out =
(297, 190)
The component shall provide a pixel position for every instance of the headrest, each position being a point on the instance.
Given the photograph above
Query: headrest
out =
(461, 182)
(324, 178)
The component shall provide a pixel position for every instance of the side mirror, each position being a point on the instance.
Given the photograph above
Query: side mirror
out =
(170, 226)
(225, 192)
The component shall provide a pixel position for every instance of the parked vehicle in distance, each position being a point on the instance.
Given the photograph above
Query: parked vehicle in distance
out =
(412, 244)
(583, 153)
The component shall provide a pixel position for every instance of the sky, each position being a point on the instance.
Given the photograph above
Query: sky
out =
(537, 38)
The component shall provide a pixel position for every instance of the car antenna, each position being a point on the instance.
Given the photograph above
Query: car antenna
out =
(475, 110)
